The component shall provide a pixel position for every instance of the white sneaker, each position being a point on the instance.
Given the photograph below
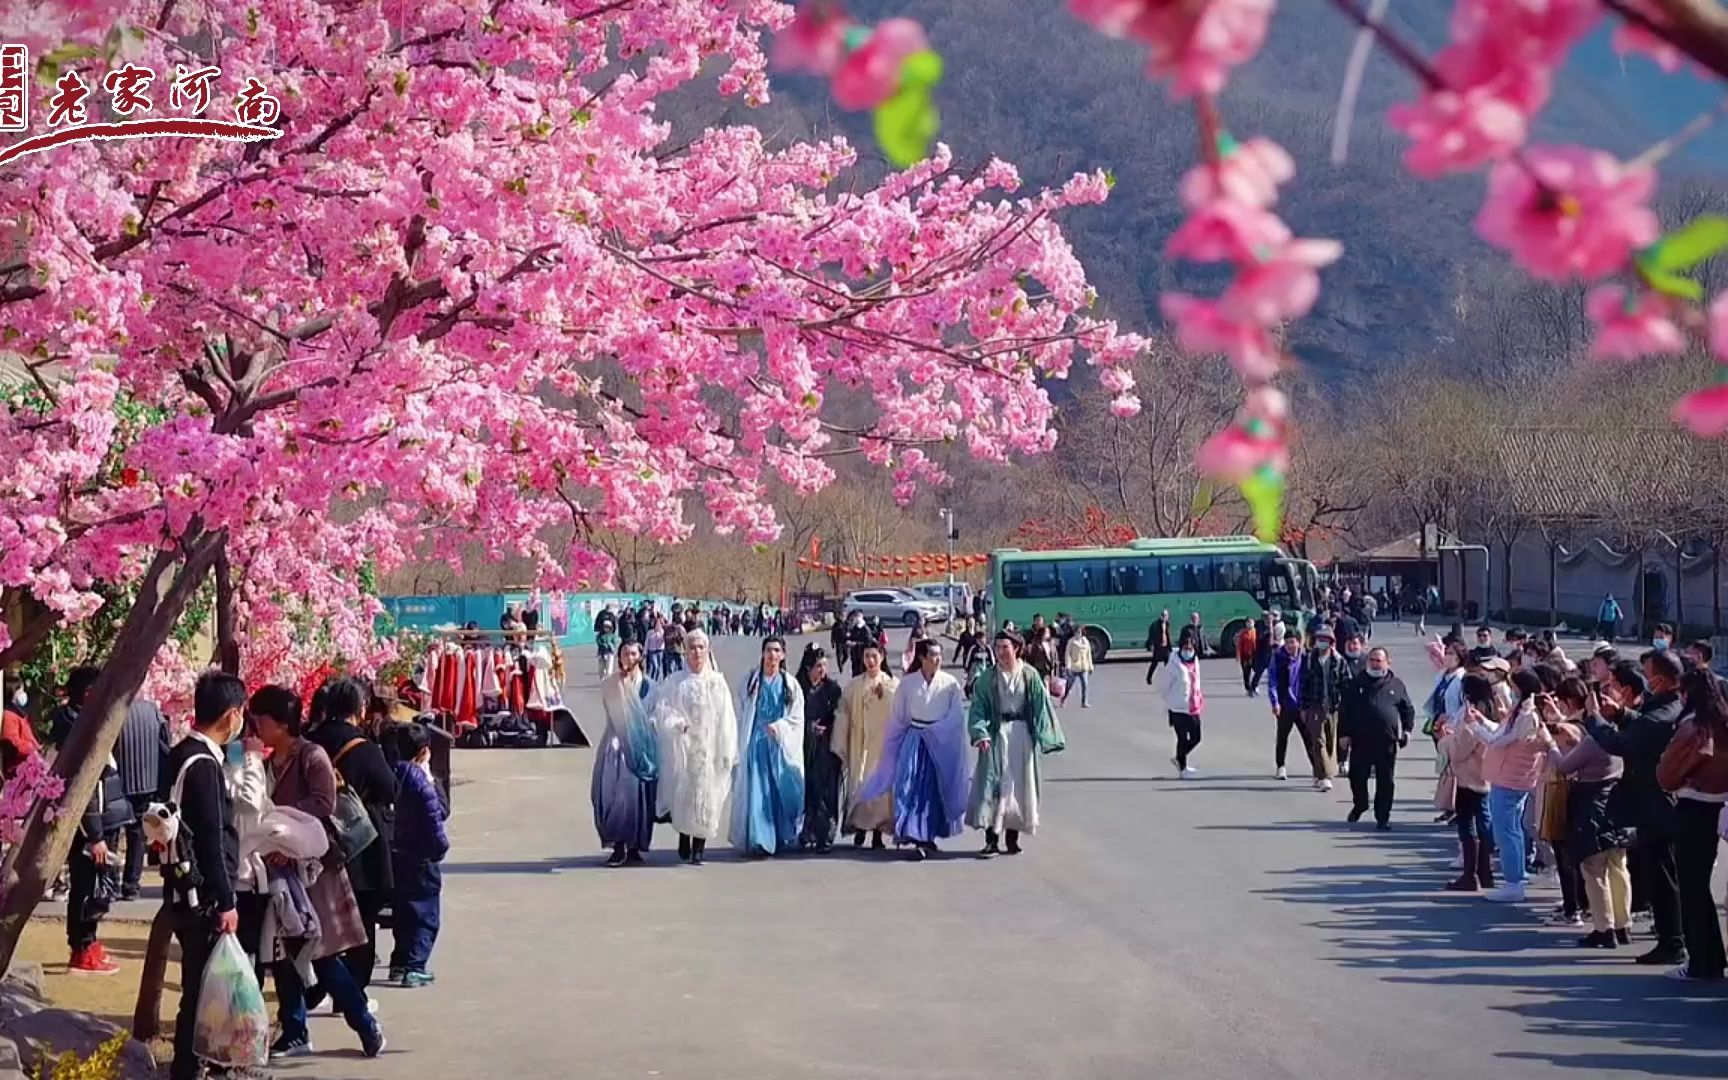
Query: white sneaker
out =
(1283, 774)
(1512, 892)
(1190, 773)
(1325, 785)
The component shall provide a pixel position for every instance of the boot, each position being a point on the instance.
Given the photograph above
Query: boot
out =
(1013, 841)
(683, 847)
(858, 838)
(697, 847)
(1466, 881)
(1484, 864)
(618, 856)
(876, 843)
(991, 848)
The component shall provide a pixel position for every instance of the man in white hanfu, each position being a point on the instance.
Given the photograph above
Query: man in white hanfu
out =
(924, 755)
(698, 733)
(768, 789)
(1012, 724)
(626, 765)
(859, 733)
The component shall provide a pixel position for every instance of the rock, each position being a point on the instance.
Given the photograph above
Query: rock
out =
(11, 1064)
(21, 991)
(47, 1033)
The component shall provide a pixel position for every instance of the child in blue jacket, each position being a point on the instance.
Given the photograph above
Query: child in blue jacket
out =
(418, 847)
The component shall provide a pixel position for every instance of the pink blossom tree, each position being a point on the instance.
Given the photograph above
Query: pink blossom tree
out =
(478, 287)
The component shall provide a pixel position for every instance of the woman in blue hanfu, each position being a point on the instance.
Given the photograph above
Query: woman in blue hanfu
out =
(627, 766)
(768, 783)
(924, 755)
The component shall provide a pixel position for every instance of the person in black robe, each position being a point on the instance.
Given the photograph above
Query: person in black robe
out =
(821, 767)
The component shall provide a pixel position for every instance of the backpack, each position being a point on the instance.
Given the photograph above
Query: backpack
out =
(167, 833)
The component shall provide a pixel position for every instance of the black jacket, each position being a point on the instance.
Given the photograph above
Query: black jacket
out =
(142, 748)
(1591, 827)
(1376, 710)
(205, 811)
(1638, 742)
(109, 810)
(366, 770)
(1158, 637)
(821, 705)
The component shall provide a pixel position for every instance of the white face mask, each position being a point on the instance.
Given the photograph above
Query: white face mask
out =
(19, 698)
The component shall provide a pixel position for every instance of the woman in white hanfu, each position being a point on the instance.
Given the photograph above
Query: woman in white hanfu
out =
(698, 731)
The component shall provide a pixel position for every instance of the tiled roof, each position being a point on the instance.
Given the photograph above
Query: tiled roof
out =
(1590, 474)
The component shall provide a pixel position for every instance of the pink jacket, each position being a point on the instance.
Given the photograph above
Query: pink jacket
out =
(1464, 754)
(1516, 759)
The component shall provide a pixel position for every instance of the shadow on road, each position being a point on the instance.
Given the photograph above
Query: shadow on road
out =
(1386, 911)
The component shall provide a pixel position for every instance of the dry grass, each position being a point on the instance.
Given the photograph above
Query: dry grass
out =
(110, 997)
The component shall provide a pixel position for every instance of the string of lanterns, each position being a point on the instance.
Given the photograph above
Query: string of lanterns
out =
(896, 567)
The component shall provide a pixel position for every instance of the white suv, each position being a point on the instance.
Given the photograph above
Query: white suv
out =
(895, 606)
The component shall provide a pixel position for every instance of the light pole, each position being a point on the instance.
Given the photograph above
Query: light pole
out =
(949, 535)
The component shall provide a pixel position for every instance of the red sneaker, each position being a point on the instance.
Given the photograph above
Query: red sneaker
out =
(92, 961)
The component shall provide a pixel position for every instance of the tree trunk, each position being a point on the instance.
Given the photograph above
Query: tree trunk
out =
(147, 1013)
(31, 863)
(29, 639)
(227, 641)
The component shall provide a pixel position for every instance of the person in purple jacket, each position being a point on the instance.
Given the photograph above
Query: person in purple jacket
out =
(1284, 694)
(418, 847)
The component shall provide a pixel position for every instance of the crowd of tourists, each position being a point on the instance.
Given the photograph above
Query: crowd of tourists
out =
(1604, 769)
(804, 760)
(292, 825)
(660, 634)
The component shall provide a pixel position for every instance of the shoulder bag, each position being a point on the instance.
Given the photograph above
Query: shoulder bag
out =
(351, 827)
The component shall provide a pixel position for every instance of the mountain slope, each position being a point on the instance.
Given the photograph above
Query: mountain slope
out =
(1028, 82)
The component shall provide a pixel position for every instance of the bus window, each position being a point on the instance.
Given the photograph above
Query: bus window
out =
(1030, 580)
(1187, 573)
(1136, 577)
(1084, 577)
(1242, 573)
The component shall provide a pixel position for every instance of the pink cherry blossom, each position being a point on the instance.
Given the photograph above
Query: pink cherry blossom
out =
(1202, 328)
(1705, 412)
(1629, 37)
(1250, 174)
(1227, 231)
(1281, 285)
(870, 74)
(1582, 213)
(1717, 319)
(1632, 325)
(1194, 43)
(815, 40)
(1234, 454)
(494, 307)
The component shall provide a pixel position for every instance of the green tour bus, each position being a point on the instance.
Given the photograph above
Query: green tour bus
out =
(1117, 593)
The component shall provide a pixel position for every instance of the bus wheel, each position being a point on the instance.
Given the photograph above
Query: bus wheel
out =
(1100, 643)
(1227, 644)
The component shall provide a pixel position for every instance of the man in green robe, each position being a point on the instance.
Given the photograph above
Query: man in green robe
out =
(1011, 723)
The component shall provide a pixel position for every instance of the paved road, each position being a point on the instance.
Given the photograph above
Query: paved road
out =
(1227, 927)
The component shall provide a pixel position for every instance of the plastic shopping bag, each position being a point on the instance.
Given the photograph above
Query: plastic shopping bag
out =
(233, 1028)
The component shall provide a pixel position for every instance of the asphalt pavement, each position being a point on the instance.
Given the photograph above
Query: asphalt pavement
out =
(1231, 926)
